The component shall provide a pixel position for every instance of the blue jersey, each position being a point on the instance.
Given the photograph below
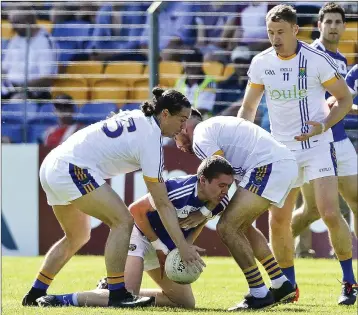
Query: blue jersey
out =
(338, 129)
(182, 192)
(352, 80)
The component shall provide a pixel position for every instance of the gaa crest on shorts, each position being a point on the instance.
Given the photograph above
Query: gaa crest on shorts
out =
(132, 247)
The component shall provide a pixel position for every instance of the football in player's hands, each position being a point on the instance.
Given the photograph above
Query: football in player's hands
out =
(330, 101)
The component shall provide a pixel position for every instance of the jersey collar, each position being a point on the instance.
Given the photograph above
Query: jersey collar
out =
(156, 120)
(294, 55)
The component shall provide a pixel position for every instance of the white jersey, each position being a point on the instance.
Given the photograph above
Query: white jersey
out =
(121, 144)
(295, 92)
(244, 144)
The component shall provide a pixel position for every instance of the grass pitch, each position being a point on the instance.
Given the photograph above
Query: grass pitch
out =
(220, 286)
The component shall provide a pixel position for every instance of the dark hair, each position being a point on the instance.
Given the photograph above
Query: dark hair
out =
(171, 100)
(194, 56)
(214, 166)
(282, 12)
(331, 7)
(195, 113)
(64, 102)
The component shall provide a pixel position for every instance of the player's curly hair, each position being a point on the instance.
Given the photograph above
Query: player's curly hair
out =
(171, 100)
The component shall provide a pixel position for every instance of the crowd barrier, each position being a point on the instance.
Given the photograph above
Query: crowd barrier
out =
(29, 227)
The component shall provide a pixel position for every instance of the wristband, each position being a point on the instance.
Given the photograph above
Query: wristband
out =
(206, 212)
(323, 126)
(159, 245)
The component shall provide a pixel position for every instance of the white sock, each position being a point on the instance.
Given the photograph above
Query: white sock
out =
(74, 299)
(277, 283)
(260, 292)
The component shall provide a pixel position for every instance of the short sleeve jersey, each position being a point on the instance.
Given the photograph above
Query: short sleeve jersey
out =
(182, 192)
(338, 129)
(244, 144)
(352, 80)
(295, 91)
(121, 144)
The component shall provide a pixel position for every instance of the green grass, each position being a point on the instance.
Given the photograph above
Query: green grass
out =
(221, 286)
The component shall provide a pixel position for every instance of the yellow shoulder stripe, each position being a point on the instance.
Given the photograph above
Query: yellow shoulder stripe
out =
(220, 152)
(330, 81)
(151, 179)
(256, 85)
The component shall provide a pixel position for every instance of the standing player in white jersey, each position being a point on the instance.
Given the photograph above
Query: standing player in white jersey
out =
(332, 25)
(295, 77)
(265, 170)
(150, 242)
(73, 177)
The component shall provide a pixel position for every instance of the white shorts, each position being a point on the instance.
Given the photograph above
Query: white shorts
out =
(64, 182)
(316, 162)
(140, 246)
(273, 181)
(347, 162)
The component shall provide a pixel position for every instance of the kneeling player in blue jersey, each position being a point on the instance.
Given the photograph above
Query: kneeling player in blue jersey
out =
(150, 242)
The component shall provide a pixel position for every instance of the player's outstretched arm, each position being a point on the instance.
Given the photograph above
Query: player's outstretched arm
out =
(169, 219)
(251, 101)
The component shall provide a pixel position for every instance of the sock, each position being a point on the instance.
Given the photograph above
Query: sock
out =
(67, 299)
(256, 284)
(43, 281)
(115, 281)
(290, 274)
(274, 271)
(347, 268)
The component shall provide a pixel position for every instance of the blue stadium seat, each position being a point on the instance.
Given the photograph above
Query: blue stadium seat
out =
(92, 112)
(131, 106)
(13, 119)
(75, 36)
(14, 112)
(13, 131)
(44, 119)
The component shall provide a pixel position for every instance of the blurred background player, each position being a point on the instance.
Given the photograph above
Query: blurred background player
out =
(65, 110)
(291, 72)
(331, 25)
(150, 242)
(41, 55)
(73, 178)
(265, 170)
(199, 88)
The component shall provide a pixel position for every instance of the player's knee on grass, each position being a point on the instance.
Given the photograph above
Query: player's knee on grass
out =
(185, 300)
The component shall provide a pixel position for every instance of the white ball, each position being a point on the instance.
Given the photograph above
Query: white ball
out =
(177, 271)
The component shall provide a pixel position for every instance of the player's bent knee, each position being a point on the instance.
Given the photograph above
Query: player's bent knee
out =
(331, 217)
(120, 220)
(79, 239)
(182, 300)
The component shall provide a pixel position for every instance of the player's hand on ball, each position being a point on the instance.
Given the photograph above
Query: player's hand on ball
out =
(316, 128)
(192, 220)
(190, 255)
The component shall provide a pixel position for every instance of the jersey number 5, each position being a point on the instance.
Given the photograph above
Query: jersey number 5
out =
(116, 133)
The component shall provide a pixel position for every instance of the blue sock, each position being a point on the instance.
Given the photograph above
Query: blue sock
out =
(290, 274)
(347, 268)
(66, 299)
(40, 285)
